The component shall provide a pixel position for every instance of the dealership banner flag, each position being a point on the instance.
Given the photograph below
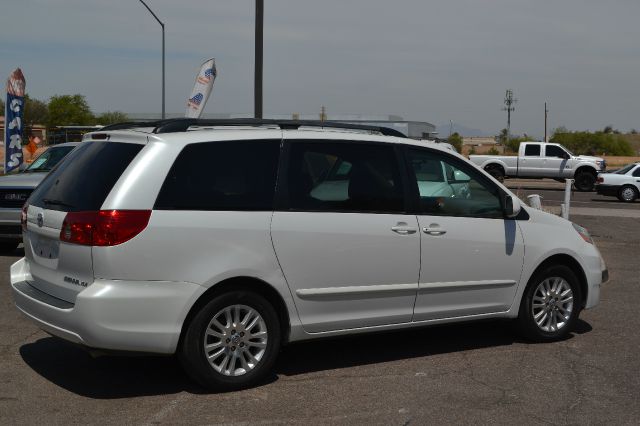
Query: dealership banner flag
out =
(201, 89)
(13, 114)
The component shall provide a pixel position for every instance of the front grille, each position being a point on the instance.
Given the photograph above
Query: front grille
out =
(14, 198)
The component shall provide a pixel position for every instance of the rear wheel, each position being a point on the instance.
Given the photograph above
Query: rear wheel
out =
(585, 181)
(550, 305)
(496, 172)
(232, 342)
(628, 194)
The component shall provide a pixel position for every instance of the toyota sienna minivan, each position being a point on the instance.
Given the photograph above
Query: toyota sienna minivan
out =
(221, 241)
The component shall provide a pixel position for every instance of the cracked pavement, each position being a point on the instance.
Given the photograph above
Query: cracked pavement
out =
(463, 373)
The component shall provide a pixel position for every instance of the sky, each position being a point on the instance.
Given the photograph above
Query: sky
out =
(423, 60)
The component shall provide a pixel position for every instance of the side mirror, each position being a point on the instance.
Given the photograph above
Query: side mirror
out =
(512, 206)
(566, 156)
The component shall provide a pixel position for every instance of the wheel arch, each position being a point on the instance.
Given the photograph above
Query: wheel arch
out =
(494, 164)
(586, 168)
(253, 284)
(571, 262)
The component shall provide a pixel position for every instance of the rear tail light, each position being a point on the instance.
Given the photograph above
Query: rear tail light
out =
(600, 179)
(23, 216)
(104, 227)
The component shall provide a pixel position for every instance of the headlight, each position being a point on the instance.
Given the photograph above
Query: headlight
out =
(583, 233)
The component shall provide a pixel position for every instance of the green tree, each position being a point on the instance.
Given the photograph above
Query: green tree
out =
(69, 110)
(593, 143)
(35, 112)
(1, 106)
(111, 117)
(493, 151)
(456, 140)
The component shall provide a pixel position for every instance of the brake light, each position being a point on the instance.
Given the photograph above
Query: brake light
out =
(23, 216)
(104, 227)
(600, 179)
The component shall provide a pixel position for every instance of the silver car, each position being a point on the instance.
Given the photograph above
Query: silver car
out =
(16, 188)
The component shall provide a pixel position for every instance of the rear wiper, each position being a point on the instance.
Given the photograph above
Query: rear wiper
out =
(56, 202)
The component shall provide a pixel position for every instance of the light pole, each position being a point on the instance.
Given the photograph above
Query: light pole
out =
(162, 25)
(257, 91)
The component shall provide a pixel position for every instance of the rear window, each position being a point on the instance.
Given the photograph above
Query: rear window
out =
(48, 159)
(237, 175)
(84, 178)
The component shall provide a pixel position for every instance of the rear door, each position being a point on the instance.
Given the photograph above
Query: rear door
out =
(531, 163)
(81, 182)
(347, 247)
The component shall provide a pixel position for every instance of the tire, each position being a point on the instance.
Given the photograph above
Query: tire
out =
(537, 322)
(8, 247)
(496, 172)
(627, 194)
(585, 181)
(232, 368)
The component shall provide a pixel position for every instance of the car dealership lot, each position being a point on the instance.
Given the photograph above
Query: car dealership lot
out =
(465, 373)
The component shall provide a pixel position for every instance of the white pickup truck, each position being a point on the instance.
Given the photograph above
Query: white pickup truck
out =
(544, 160)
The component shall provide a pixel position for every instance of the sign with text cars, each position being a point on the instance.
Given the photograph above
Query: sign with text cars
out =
(201, 89)
(14, 111)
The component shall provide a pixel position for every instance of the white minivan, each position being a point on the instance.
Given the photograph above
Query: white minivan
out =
(220, 241)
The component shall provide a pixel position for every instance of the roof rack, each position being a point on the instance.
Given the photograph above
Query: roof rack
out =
(172, 125)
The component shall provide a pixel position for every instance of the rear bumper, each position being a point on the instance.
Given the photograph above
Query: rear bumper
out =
(611, 190)
(109, 314)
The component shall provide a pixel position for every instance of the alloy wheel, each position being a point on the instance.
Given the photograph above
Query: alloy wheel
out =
(235, 340)
(552, 304)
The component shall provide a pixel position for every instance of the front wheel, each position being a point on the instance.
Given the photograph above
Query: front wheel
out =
(232, 342)
(550, 304)
(585, 181)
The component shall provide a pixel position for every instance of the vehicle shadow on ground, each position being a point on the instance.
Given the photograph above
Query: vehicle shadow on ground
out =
(111, 377)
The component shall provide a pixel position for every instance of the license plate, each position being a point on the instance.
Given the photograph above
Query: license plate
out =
(45, 247)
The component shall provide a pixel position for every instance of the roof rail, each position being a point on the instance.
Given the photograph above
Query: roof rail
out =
(182, 124)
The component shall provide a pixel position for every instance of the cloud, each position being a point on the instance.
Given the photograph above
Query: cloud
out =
(433, 61)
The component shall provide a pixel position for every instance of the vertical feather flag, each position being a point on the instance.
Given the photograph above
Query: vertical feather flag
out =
(201, 89)
(13, 116)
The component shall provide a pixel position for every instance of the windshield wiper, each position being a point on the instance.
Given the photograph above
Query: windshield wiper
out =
(56, 203)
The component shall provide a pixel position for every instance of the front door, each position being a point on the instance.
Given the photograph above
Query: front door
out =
(348, 250)
(471, 256)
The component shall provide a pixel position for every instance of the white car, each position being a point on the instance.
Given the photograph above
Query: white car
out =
(216, 244)
(623, 183)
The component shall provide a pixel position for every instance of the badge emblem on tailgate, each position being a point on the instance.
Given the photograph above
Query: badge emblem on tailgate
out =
(75, 281)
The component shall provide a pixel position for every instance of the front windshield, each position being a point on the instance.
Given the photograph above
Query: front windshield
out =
(48, 159)
(625, 169)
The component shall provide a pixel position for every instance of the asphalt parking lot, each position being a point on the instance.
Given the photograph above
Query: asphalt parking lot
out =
(466, 373)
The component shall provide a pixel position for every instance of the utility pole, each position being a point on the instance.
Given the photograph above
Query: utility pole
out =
(450, 127)
(163, 61)
(509, 101)
(323, 114)
(546, 113)
(257, 95)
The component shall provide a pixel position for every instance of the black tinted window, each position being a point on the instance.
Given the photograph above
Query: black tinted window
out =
(554, 151)
(532, 150)
(84, 178)
(238, 175)
(636, 172)
(350, 177)
(48, 159)
(449, 187)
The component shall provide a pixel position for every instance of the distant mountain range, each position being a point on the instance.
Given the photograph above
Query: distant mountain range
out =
(443, 131)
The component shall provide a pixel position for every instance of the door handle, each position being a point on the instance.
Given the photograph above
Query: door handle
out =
(434, 231)
(403, 229)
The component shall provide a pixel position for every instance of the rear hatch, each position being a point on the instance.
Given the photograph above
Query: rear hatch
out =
(80, 183)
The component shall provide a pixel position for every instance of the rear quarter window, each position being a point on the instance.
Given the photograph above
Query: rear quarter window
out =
(84, 178)
(234, 175)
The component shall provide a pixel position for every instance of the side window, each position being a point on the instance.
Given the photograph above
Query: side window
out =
(237, 175)
(553, 151)
(636, 172)
(344, 177)
(459, 189)
(531, 150)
